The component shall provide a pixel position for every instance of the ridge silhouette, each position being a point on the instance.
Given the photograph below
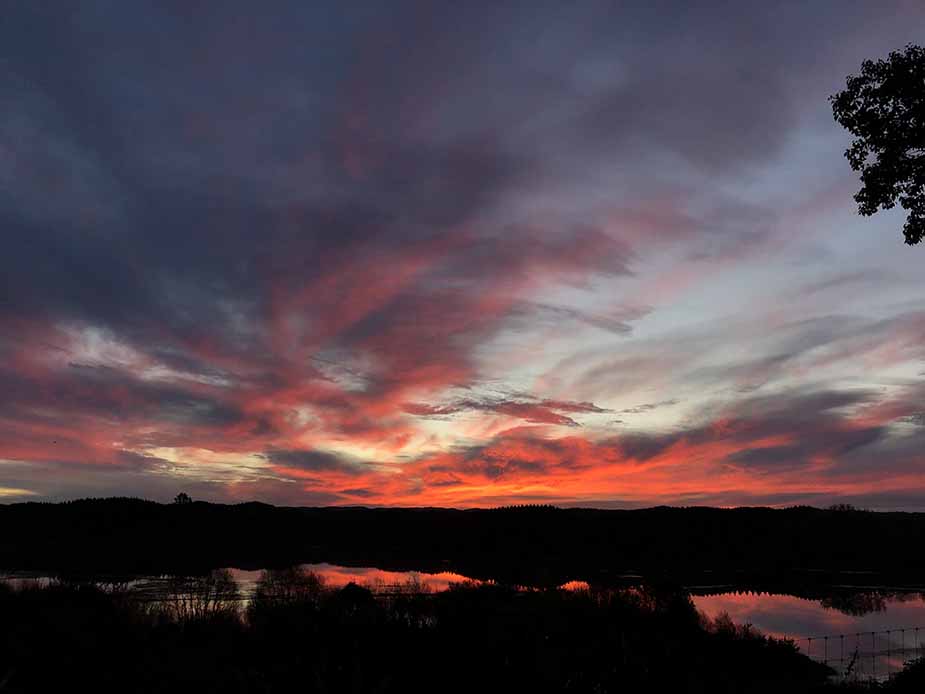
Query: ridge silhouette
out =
(540, 546)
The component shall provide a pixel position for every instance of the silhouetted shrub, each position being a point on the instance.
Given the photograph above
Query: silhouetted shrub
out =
(910, 680)
(214, 596)
(301, 636)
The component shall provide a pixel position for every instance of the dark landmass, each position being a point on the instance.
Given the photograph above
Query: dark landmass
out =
(635, 628)
(532, 545)
(297, 635)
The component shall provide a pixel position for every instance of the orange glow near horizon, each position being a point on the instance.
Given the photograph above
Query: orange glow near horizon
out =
(497, 271)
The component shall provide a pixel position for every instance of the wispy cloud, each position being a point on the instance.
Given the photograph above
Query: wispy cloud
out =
(277, 257)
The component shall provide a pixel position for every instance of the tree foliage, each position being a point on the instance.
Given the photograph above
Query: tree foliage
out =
(884, 108)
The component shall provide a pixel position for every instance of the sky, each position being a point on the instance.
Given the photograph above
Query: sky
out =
(451, 254)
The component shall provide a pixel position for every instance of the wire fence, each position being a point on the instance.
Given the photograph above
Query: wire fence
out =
(866, 654)
(852, 655)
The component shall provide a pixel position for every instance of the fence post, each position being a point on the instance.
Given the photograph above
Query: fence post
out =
(857, 647)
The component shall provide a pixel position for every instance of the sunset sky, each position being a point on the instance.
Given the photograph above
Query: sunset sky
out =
(451, 254)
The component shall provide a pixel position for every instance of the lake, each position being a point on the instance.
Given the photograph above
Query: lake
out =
(876, 629)
(868, 631)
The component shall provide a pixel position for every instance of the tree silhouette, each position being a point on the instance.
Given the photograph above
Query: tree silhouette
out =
(884, 108)
(182, 498)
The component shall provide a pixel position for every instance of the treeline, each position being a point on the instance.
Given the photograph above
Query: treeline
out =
(525, 545)
(298, 635)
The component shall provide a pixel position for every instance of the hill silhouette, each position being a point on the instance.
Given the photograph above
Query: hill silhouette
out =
(534, 545)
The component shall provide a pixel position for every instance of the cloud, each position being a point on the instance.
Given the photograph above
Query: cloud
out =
(313, 461)
(771, 457)
(618, 322)
(320, 236)
(649, 406)
(528, 408)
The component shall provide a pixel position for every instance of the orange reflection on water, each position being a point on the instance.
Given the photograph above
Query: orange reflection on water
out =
(787, 616)
(575, 585)
(378, 580)
(382, 579)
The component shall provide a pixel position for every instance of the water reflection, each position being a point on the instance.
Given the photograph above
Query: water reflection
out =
(380, 580)
(864, 633)
(377, 580)
(793, 617)
(869, 631)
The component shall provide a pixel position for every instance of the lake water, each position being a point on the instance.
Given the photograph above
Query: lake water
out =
(871, 643)
(377, 579)
(869, 631)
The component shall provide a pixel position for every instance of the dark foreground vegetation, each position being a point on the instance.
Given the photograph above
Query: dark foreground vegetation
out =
(296, 635)
(527, 545)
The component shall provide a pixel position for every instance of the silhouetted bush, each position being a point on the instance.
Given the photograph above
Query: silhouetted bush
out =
(299, 635)
(213, 597)
(910, 680)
